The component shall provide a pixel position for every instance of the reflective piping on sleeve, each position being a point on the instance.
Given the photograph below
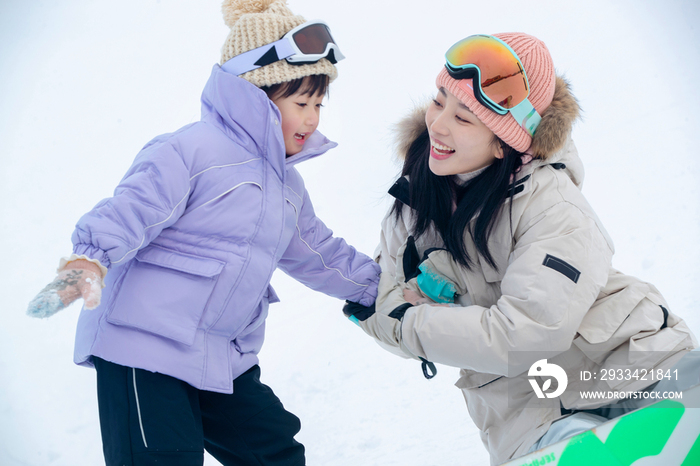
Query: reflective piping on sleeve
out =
(224, 166)
(154, 225)
(318, 253)
(176, 205)
(138, 407)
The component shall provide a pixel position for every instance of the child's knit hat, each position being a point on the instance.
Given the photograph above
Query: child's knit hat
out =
(255, 23)
(558, 110)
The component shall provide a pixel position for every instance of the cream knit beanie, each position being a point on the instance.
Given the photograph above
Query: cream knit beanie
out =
(255, 23)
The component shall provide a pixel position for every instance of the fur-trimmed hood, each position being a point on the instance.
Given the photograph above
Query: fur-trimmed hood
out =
(551, 136)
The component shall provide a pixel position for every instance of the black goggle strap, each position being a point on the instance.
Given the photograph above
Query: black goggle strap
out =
(524, 113)
(473, 74)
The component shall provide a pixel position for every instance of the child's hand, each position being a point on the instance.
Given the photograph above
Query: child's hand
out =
(416, 299)
(79, 279)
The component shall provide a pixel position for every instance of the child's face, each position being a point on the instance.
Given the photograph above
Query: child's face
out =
(460, 142)
(300, 117)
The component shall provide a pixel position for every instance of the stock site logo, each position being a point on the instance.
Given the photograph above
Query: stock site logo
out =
(542, 368)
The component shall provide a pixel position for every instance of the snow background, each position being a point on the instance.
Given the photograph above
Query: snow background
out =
(85, 84)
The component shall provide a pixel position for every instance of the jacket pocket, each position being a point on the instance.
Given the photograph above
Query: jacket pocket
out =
(271, 296)
(165, 292)
(484, 394)
(607, 314)
(246, 341)
(470, 380)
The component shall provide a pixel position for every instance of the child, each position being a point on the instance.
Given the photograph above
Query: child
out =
(175, 268)
(493, 260)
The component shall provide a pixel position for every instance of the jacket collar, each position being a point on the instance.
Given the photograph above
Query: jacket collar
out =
(248, 117)
(500, 240)
(566, 159)
(316, 145)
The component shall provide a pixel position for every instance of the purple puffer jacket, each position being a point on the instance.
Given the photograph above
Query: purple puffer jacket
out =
(192, 236)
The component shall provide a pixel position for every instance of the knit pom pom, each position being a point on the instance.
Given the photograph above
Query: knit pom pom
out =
(234, 9)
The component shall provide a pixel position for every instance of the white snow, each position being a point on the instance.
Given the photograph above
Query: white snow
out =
(84, 84)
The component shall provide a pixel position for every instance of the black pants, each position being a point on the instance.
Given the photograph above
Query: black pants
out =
(148, 418)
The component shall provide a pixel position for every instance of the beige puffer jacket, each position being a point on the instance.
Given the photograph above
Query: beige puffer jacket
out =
(554, 295)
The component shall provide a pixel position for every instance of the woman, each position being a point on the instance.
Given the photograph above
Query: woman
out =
(493, 261)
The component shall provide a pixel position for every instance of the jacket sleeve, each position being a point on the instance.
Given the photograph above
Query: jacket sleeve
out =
(327, 263)
(558, 266)
(393, 235)
(152, 196)
(384, 329)
(390, 256)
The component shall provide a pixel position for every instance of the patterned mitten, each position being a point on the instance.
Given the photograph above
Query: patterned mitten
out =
(78, 279)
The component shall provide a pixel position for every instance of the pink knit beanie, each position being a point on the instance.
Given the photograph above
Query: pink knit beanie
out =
(540, 73)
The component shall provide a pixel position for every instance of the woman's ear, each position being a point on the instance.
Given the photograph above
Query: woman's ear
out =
(498, 153)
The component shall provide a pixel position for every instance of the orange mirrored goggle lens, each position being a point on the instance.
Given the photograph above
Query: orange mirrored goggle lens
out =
(502, 77)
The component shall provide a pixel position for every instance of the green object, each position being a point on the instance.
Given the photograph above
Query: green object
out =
(693, 457)
(582, 448)
(644, 434)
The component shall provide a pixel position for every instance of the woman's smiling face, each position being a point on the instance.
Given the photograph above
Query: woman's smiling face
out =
(459, 141)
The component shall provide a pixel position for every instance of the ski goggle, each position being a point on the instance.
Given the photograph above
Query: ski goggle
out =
(498, 77)
(305, 44)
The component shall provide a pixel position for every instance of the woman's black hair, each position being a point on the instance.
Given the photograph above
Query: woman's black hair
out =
(478, 203)
(315, 84)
